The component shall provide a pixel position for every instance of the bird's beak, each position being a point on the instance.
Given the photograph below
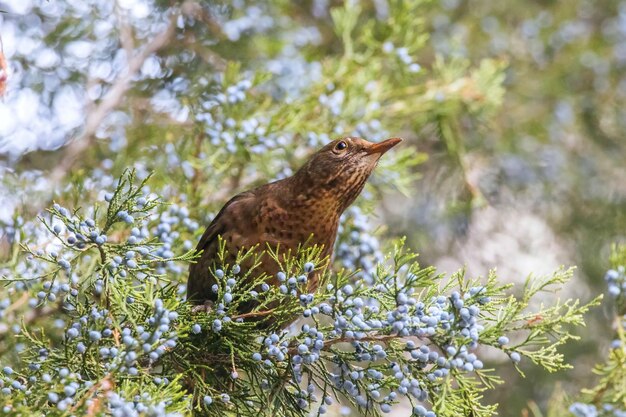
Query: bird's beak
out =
(384, 146)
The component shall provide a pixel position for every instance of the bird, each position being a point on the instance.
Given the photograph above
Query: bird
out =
(303, 209)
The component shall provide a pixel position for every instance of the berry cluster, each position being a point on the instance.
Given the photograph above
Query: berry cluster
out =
(253, 19)
(402, 349)
(333, 101)
(140, 405)
(402, 53)
(616, 281)
(80, 232)
(124, 351)
(358, 249)
(168, 230)
(590, 410)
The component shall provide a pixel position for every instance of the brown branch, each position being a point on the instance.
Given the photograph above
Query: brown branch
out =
(111, 100)
(372, 338)
(120, 86)
(127, 39)
(32, 316)
(18, 303)
(197, 172)
(99, 389)
(383, 338)
(254, 314)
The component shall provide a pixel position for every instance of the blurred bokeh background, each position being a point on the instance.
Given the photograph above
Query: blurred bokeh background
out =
(517, 111)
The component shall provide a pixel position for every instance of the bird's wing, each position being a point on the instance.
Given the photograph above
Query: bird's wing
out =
(199, 281)
(217, 226)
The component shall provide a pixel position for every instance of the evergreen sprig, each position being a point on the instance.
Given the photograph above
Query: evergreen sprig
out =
(607, 398)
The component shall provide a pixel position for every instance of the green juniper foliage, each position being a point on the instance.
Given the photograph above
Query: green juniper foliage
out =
(608, 397)
(123, 337)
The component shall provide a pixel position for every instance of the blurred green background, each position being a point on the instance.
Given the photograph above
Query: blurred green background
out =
(551, 164)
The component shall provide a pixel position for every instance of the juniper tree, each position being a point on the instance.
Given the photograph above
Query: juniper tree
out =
(94, 319)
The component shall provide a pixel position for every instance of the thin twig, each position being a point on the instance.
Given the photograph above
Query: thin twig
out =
(102, 387)
(3, 70)
(31, 317)
(254, 314)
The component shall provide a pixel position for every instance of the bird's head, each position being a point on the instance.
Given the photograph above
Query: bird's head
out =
(341, 168)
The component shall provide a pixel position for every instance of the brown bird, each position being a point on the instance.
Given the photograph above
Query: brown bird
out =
(304, 208)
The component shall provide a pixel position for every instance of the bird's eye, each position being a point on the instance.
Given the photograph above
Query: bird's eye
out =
(340, 146)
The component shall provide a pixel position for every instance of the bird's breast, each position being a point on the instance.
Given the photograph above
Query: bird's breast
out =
(294, 222)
